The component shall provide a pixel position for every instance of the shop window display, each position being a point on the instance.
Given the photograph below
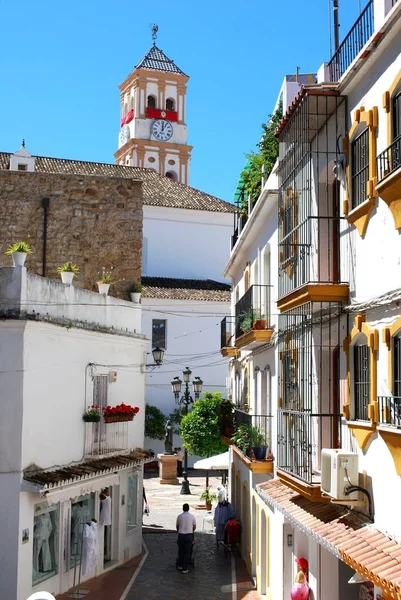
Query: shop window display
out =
(132, 502)
(45, 542)
(82, 511)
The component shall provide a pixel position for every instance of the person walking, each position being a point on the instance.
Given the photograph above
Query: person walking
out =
(186, 525)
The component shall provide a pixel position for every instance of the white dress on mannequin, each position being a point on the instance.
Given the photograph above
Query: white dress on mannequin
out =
(90, 548)
(105, 513)
(41, 537)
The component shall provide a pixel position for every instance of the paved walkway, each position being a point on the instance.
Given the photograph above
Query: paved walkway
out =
(154, 575)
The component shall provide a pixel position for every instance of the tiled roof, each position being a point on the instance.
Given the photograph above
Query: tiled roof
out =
(167, 288)
(348, 535)
(157, 190)
(85, 470)
(157, 60)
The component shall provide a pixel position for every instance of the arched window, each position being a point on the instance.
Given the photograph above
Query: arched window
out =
(125, 108)
(132, 103)
(170, 104)
(151, 102)
(172, 175)
(361, 372)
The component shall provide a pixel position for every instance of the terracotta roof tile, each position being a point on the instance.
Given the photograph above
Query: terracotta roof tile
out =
(156, 60)
(185, 289)
(157, 190)
(350, 536)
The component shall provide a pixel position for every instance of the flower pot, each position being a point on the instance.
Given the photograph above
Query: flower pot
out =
(259, 452)
(208, 505)
(67, 277)
(110, 419)
(92, 419)
(19, 258)
(136, 297)
(103, 288)
(260, 324)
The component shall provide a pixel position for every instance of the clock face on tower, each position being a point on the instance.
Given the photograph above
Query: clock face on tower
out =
(162, 130)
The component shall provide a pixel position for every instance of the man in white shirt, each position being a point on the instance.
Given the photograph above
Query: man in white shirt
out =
(186, 525)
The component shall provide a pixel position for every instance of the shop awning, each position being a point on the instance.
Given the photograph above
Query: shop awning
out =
(219, 462)
(348, 535)
(83, 478)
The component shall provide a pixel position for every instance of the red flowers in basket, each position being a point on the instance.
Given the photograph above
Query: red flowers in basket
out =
(121, 412)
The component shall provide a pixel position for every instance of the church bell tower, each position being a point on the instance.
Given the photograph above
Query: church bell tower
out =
(153, 132)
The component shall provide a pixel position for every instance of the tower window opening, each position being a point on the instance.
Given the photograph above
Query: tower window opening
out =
(151, 102)
(170, 104)
(172, 175)
(132, 103)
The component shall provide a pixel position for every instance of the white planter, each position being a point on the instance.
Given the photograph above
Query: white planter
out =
(67, 277)
(136, 297)
(103, 288)
(19, 258)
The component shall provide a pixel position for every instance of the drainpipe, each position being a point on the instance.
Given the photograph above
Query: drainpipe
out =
(45, 205)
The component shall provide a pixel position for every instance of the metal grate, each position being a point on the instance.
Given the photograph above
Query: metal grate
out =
(227, 332)
(397, 365)
(390, 410)
(389, 160)
(361, 382)
(252, 311)
(359, 168)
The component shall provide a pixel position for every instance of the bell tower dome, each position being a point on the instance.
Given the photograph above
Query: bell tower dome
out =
(153, 132)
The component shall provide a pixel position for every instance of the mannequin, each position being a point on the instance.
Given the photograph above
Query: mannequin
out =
(41, 547)
(79, 514)
(90, 547)
(105, 507)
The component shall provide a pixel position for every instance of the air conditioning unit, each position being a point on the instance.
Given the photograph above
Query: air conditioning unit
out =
(339, 471)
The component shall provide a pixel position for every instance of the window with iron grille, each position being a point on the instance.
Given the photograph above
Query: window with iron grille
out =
(159, 339)
(397, 365)
(288, 224)
(100, 389)
(361, 382)
(359, 168)
(396, 120)
(289, 386)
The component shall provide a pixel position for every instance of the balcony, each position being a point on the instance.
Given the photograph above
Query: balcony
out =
(389, 179)
(353, 43)
(227, 337)
(301, 437)
(105, 439)
(252, 318)
(252, 441)
(390, 411)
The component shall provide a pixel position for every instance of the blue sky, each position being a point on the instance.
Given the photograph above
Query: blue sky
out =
(61, 64)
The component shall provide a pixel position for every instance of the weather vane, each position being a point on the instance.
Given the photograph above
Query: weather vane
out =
(155, 29)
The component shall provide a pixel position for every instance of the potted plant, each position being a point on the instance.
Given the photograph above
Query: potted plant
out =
(242, 438)
(259, 320)
(68, 271)
(247, 319)
(105, 281)
(19, 251)
(208, 498)
(135, 292)
(92, 415)
(258, 443)
(121, 412)
(227, 418)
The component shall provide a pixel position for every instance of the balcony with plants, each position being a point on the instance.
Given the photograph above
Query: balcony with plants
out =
(251, 441)
(253, 326)
(107, 430)
(227, 338)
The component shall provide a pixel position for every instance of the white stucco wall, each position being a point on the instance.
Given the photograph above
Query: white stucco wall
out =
(187, 243)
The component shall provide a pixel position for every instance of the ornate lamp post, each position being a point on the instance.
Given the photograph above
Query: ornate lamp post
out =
(185, 400)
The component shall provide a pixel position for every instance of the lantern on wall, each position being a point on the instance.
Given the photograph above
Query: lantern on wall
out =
(300, 589)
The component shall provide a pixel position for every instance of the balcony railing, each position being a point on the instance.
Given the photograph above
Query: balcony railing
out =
(252, 311)
(301, 437)
(227, 332)
(259, 424)
(390, 410)
(349, 49)
(389, 160)
(105, 439)
(239, 224)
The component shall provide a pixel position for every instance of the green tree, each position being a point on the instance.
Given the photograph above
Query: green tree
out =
(267, 155)
(200, 428)
(154, 422)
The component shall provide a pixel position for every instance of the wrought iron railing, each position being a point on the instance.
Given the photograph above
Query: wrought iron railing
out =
(105, 439)
(300, 439)
(240, 220)
(309, 253)
(252, 311)
(258, 426)
(390, 410)
(227, 332)
(349, 49)
(389, 160)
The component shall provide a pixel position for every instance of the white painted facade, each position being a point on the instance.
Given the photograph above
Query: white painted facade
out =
(55, 340)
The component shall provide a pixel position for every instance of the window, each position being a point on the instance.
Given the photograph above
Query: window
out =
(132, 103)
(172, 175)
(159, 333)
(22, 167)
(82, 510)
(132, 502)
(45, 542)
(361, 382)
(396, 132)
(397, 366)
(170, 105)
(290, 385)
(151, 102)
(359, 168)
(288, 234)
(100, 389)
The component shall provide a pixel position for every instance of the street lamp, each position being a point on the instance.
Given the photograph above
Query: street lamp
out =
(185, 401)
(158, 355)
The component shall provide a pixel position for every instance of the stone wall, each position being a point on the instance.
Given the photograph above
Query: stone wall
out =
(93, 221)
